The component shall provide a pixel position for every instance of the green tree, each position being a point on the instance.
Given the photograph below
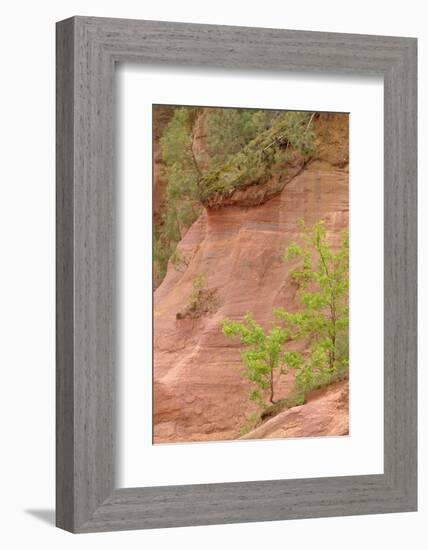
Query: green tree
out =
(322, 277)
(229, 131)
(264, 155)
(182, 206)
(262, 355)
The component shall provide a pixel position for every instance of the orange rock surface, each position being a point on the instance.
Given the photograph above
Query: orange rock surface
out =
(326, 412)
(199, 392)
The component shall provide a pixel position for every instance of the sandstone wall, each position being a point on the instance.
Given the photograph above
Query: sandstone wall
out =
(199, 393)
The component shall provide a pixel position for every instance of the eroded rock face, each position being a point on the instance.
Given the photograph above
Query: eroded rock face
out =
(325, 413)
(199, 393)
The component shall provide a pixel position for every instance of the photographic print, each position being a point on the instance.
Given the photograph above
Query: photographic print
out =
(250, 274)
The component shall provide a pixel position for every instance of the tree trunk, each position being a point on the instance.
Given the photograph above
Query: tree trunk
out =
(271, 387)
(333, 336)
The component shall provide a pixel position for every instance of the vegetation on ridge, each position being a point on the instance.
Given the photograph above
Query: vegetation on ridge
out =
(261, 157)
(245, 147)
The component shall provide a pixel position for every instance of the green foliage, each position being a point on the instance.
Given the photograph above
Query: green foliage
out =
(179, 261)
(182, 205)
(202, 300)
(162, 251)
(245, 147)
(262, 355)
(321, 322)
(262, 156)
(229, 131)
(298, 396)
(251, 422)
(199, 284)
(323, 280)
(298, 132)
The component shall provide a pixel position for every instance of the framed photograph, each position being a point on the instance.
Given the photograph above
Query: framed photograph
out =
(236, 274)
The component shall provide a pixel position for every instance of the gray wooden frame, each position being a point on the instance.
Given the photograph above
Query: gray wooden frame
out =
(87, 50)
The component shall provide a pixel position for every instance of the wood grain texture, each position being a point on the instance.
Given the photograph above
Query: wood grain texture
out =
(87, 50)
(64, 276)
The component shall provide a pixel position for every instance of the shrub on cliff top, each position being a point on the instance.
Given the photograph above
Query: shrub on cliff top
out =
(245, 147)
(261, 157)
(229, 130)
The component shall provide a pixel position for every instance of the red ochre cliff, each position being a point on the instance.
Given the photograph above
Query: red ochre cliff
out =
(199, 393)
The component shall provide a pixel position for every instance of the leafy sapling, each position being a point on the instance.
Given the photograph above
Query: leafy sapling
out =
(262, 355)
(322, 277)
